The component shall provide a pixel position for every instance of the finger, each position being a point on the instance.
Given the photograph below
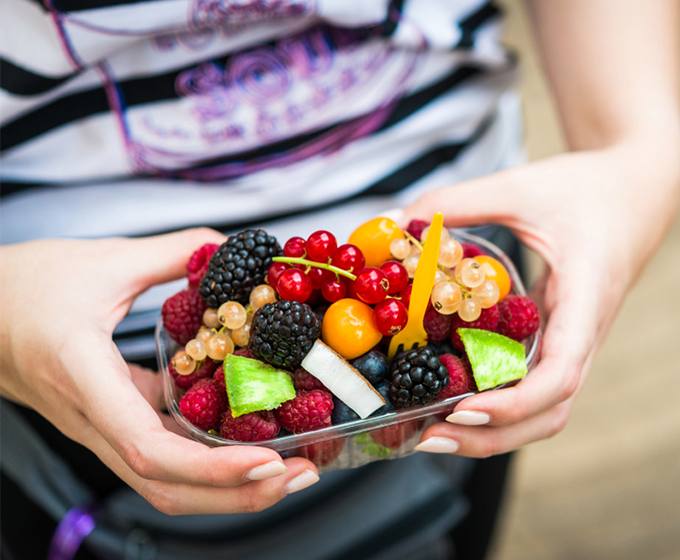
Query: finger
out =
(182, 499)
(124, 418)
(148, 261)
(566, 345)
(485, 441)
(488, 199)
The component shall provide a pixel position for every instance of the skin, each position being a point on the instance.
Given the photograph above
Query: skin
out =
(595, 215)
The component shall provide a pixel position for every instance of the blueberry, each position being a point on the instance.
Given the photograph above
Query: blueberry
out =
(342, 413)
(384, 389)
(373, 366)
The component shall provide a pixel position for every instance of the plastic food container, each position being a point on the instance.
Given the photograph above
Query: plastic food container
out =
(352, 444)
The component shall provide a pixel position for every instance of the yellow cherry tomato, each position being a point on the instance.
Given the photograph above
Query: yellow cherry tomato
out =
(349, 329)
(374, 238)
(495, 271)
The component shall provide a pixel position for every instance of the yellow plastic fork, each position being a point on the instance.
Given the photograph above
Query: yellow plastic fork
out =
(414, 335)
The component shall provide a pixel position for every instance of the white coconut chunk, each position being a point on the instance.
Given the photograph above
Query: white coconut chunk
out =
(344, 381)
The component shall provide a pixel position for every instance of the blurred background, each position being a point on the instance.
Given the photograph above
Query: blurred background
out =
(608, 486)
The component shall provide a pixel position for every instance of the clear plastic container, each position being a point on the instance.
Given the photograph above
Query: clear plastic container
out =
(352, 444)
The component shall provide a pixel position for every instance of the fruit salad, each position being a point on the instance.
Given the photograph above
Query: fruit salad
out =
(286, 344)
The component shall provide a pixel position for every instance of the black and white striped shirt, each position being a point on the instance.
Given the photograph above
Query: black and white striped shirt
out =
(124, 117)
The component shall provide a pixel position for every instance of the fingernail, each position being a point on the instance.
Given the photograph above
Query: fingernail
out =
(268, 470)
(301, 481)
(468, 418)
(438, 445)
(394, 214)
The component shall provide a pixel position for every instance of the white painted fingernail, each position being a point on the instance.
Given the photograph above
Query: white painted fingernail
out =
(468, 418)
(395, 214)
(438, 445)
(268, 470)
(301, 481)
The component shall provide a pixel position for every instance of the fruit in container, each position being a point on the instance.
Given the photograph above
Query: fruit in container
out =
(374, 238)
(349, 329)
(495, 359)
(417, 378)
(495, 271)
(344, 381)
(353, 296)
(283, 332)
(254, 386)
(240, 264)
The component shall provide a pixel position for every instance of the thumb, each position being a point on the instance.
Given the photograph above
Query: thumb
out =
(163, 258)
(489, 199)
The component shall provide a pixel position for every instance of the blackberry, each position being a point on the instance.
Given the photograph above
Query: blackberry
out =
(417, 378)
(282, 333)
(240, 264)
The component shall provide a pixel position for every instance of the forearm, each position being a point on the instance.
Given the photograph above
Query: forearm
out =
(613, 67)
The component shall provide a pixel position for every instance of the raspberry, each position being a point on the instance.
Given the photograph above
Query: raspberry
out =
(199, 262)
(471, 251)
(256, 426)
(245, 353)
(519, 317)
(309, 410)
(305, 381)
(204, 404)
(395, 435)
(218, 378)
(416, 227)
(437, 326)
(487, 321)
(185, 381)
(323, 453)
(460, 377)
(183, 315)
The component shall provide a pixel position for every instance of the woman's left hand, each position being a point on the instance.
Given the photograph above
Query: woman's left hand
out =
(595, 217)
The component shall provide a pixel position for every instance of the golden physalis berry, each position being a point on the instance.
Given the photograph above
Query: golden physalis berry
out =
(495, 271)
(374, 239)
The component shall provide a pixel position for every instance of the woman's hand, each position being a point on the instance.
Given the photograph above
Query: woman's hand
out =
(60, 302)
(595, 217)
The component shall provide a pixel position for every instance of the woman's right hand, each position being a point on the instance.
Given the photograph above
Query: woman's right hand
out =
(61, 300)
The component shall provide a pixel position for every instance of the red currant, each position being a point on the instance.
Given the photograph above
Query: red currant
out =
(321, 245)
(390, 316)
(396, 274)
(275, 270)
(318, 276)
(371, 285)
(295, 285)
(334, 289)
(294, 247)
(348, 257)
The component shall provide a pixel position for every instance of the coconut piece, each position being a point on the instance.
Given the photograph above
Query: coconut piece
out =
(344, 381)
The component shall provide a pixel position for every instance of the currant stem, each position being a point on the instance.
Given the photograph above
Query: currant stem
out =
(414, 240)
(299, 260)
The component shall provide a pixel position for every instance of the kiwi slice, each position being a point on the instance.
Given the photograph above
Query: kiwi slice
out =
(253, 385)
(495, 359)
